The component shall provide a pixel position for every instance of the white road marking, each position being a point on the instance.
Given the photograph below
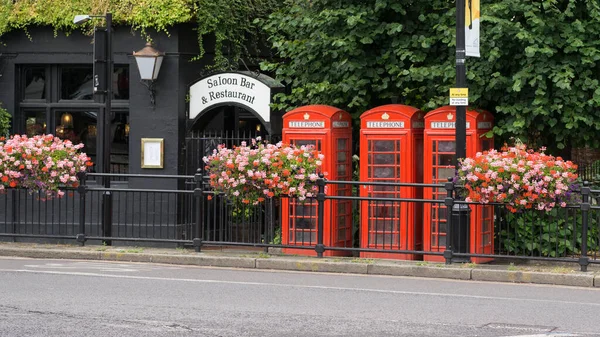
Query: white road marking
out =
(400, 292)
(548, 335)
(109, 267)
(100, 268)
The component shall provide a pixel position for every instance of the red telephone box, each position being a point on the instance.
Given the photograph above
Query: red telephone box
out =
(440, 149)
(329, 129)
(391, 147)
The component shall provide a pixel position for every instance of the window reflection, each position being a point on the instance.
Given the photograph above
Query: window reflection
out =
(119, 151)
(120, 82)
(81, 127)
(76, 83)
(35, 123)
(35, 83)
(78, 127)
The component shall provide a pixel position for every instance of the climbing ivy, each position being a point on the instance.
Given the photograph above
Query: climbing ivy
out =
(229, 21)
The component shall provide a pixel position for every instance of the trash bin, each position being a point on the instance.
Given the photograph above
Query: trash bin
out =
(460, 231)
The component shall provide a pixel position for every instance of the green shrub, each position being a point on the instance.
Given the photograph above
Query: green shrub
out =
(556, 233)
(5, 118)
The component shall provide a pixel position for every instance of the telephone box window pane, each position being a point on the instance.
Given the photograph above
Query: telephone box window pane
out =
(384, 146)
(445, 173)
(442, 214)
(342, 234)
(486, 144)
(341, 144)
(442, 240)
(447, 146)
(305, 223)
(383, 172)
(445, 159)
(300, 143)
(341, 157)
(442, 228)
(35, 83)
(35, 123)
(76, 83)
(384, 159)
(306, 237)
(341, 170)
(486, 212)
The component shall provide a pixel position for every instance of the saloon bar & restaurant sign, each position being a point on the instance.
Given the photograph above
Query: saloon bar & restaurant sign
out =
(231, 88)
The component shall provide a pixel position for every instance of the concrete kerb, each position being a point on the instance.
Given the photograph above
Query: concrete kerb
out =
(49, 253)
(310, 264)
(420, 271)
(568, 279)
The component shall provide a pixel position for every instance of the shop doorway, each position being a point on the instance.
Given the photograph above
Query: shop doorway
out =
(228, 124)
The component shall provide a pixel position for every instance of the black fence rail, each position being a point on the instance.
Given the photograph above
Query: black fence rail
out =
(590, 172)
(383, 220)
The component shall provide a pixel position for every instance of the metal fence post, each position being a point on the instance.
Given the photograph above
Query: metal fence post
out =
(198, 197)
(16, 201)
(449, 202)
(320, 247)
(82, 190)
(585, 208)
(107, 208)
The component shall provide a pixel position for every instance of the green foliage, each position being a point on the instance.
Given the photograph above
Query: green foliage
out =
(277, 237)
(539, 70)
(5, 118)
(556, 233)
(231, 22)
(141, 14)
(335, 52)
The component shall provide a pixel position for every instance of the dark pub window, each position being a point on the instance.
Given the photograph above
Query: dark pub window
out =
(35, 82)
(76, 83)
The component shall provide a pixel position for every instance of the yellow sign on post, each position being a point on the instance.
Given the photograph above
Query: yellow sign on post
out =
(459, 96)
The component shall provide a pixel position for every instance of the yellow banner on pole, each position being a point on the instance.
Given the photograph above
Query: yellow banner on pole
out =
(472, 18)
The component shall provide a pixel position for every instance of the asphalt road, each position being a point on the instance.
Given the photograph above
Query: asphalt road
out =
(81, 298)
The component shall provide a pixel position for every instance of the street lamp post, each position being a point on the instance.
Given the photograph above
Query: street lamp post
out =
(104, 82)
(461, 82)
(459, 231)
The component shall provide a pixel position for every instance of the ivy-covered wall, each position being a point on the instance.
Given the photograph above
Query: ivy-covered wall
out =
(230, 22)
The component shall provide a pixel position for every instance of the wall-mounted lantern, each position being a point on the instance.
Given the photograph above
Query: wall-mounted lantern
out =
(149, 61)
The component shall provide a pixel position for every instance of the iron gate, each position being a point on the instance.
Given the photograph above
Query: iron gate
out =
(220, 221)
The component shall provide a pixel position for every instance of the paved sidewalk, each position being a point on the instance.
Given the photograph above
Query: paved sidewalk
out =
(531, 272)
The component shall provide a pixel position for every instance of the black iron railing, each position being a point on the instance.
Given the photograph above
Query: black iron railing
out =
(387, 220)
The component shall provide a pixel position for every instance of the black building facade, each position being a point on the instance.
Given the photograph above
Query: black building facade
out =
(46, 84)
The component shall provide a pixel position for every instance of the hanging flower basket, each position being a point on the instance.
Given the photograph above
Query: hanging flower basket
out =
(43, 164)
(519, 177)
(251, 174)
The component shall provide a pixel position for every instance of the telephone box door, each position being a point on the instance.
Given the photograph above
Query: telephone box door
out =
(384, 164)
(300, 217)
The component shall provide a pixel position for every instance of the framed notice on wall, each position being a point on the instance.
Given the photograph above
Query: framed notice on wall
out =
(152, 152)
